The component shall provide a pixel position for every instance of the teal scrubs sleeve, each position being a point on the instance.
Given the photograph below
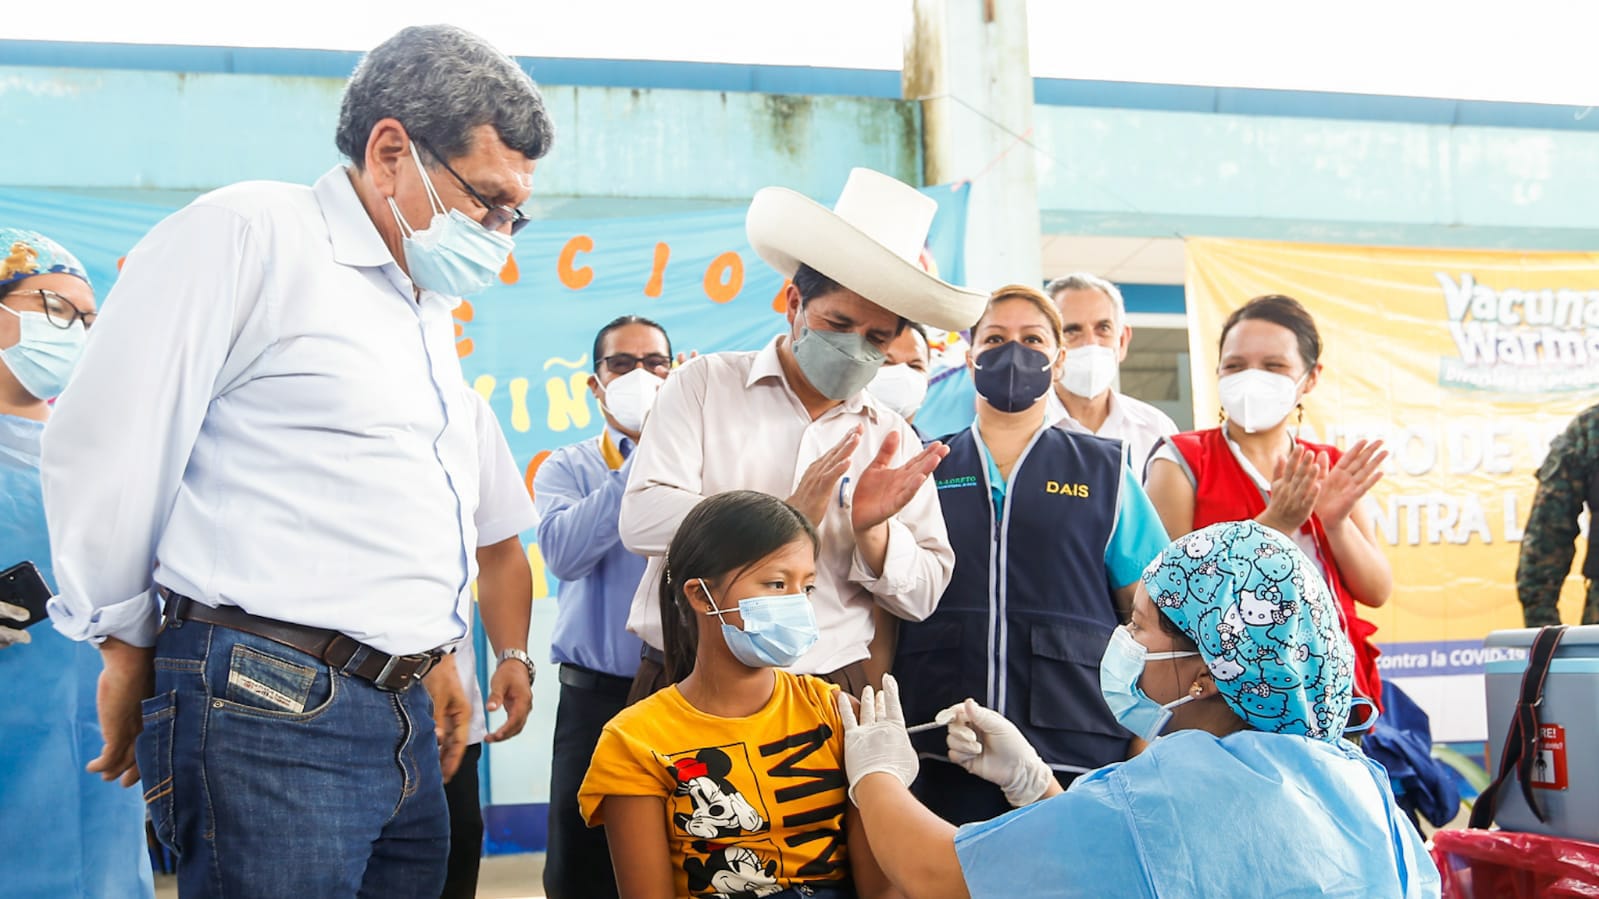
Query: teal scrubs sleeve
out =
(1139, 535)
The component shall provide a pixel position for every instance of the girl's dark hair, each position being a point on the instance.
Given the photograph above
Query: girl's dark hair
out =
(1286, 312)
(725, 533)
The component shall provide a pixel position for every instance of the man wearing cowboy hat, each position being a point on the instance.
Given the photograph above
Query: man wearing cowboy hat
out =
(794, 420)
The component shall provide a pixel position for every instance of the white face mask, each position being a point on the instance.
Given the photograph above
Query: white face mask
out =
(899, 387)
(629, 398)
(1257, 400)
(1089, 370)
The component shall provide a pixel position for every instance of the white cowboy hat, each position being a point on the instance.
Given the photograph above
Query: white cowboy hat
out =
(870, 242)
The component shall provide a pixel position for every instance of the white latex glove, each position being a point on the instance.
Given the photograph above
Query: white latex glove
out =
(879, 742)
(10, 635)
(985, 744)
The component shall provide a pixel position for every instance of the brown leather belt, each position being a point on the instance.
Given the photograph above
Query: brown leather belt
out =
(395, 674)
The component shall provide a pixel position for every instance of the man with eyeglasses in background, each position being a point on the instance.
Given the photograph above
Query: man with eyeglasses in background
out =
(278, 548)
(578, 494)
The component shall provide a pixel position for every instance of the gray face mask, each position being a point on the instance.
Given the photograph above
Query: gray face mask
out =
(839, 365)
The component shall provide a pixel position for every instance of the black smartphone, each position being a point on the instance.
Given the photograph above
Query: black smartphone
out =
(23, 585)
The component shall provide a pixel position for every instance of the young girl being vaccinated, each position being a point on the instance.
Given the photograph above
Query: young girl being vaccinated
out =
(730, 783)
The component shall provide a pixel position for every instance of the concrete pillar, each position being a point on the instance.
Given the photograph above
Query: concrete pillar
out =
(966, 61)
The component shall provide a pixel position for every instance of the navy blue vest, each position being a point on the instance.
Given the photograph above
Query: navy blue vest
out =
(1029, 610)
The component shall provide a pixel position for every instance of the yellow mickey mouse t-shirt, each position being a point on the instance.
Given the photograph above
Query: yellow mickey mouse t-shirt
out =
(753, 805)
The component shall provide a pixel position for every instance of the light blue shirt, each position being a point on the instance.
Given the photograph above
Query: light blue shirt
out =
(1250, 814)
(1137, 537)
(267, 416)
(579, 499)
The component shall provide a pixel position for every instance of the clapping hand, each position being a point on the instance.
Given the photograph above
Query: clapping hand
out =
(1296, 486)
(883, 490)
(820, 481)
(1348, 481)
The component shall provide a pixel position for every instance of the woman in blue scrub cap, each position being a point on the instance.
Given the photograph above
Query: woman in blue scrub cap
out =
(71, 834)
(1235, 667)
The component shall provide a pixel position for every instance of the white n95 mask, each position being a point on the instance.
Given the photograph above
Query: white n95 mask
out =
(1089, 370)
(630, 397)
(1257, 400)
(899, 387)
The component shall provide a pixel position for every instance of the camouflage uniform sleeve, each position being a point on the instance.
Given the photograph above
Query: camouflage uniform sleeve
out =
(1547, 546)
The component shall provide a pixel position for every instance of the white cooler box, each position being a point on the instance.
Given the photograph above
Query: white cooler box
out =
(1566, 771)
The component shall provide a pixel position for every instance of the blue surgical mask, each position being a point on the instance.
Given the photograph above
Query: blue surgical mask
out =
(1119, 672)
(777, 629)
(839, 364)
(453, 255)
(1012, 377)
(1366, 723)
(45, 355)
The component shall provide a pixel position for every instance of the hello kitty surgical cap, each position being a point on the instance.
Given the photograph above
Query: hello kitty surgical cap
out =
(25, 253)
(1265, 622)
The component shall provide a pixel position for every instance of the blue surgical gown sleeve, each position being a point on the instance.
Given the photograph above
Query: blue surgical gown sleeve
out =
(70, 833)
(1080, 843)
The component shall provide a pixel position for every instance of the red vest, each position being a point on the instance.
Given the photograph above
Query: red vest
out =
(1225, 492)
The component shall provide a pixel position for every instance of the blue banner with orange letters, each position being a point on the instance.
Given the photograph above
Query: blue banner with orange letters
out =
(526, 345)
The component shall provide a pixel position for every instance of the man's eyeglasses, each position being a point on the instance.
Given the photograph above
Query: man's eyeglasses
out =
(58, 310)
(498, 216)
(622, 363)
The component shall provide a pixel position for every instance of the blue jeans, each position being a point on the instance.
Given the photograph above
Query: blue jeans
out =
(269, 774)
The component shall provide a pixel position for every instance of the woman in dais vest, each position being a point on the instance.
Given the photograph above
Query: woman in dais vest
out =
(1255, 466)
(1051, 531)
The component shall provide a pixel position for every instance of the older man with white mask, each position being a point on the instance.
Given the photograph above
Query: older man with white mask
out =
(1085, 399)
(277, 550)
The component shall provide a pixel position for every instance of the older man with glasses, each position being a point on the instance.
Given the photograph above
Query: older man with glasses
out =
(278, 547)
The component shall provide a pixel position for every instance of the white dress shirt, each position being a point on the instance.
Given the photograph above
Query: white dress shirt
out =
(730, 421)
(504, 510)
(266, 416)
(1132, 421)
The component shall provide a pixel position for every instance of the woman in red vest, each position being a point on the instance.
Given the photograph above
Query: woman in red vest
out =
(1269, 360)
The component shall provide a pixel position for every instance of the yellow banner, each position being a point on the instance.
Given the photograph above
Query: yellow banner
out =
(1466, 364)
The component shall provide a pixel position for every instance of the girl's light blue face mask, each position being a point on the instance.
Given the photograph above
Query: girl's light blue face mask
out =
(453, 255)
(1119, 672)
(777, 629)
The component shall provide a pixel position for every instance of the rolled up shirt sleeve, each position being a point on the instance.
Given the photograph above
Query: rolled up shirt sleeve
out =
(120, 437)
(919, 561)
(669, 464)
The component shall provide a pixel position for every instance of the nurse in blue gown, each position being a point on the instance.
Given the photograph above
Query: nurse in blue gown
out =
(1234, 653)
(67, 832)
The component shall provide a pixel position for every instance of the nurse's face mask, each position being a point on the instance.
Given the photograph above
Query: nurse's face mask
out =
(1119, 673)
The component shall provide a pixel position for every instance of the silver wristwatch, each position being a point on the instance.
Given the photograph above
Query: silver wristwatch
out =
(520, 656)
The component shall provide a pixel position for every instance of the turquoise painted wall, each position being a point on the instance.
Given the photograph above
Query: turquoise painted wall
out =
(620, 150)
(1136, 172)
